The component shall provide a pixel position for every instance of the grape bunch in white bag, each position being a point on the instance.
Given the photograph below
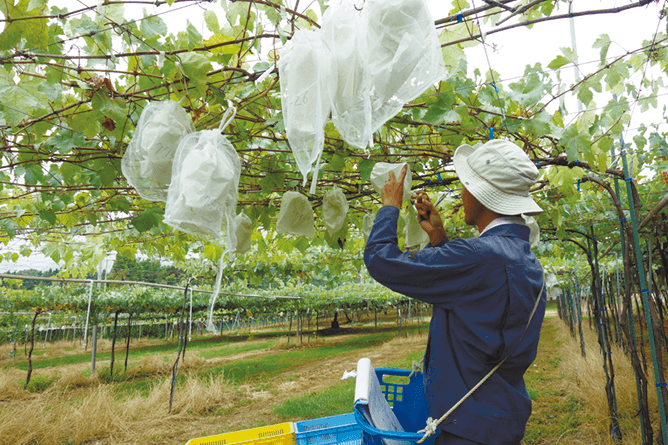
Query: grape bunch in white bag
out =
(362, 67)
(147, 162)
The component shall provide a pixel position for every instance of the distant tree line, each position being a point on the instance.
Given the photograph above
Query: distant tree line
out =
(152, 271)
(31, 284)
(124, 269)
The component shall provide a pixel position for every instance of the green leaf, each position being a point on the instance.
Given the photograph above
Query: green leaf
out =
(211, 20)
(603, 42)
(615, 77)
(69, 219)
(152, 26)
(65, 140)
(34, 31)
(48, 216)
(220, 39)
(441, 106)
(150, 218)
(272, 181)
(529, 91)
(338, 162)
(574, 143)
(451, 117)
(302, 244)
(36, 4)
(365, 167)
(211, 252)
(190, 38)
(569, 53)
(106, 171)
(17, 101)
(195, 66)
(558, 62)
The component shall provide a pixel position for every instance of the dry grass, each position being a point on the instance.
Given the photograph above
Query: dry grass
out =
(586, 380)
(155, 364)
(11, 385)
(54, 415)
(72, 377)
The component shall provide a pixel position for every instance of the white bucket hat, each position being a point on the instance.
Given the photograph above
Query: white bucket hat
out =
(499, 175)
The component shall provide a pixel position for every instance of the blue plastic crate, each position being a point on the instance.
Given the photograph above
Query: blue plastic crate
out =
(341, 429)
(406, 397)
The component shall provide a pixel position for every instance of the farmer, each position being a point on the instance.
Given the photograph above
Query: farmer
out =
(483, 291)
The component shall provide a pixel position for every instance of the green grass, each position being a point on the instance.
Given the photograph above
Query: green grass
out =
(331, 401)
(555, 412)
(135, 352)
(263, 368)
(336, 399)
(39, 383)
(230, 350)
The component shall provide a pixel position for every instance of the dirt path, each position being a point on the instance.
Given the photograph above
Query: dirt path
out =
(309, 378)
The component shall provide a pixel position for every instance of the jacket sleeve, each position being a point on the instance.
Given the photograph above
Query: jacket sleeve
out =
(436, 275)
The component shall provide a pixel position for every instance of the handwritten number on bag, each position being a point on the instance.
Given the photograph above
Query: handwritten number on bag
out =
(163, 150)
(301, 100)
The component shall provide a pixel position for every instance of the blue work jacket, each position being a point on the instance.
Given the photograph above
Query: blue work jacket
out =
(482, 291)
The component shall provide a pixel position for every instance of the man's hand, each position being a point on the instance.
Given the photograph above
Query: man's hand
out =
(429, 218)
(392, 193)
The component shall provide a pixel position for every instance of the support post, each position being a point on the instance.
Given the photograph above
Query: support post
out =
(645, 298)
(93, 350)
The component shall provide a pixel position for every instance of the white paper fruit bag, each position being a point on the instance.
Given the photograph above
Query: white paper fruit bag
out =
(204, 187)
(147, 162)
(296, 215)
(414, 235)
(343, 32)
(381, 173)
(334, 210)
(404, 54)
(305, 71)
(243, 233)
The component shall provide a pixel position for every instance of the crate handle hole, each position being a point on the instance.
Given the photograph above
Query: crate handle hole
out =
(395, 379)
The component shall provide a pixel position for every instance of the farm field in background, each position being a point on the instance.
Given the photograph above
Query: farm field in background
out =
(239, 381)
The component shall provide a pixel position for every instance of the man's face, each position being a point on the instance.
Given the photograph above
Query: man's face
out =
(472, 208)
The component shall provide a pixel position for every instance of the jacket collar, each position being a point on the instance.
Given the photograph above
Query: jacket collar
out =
(512, 230)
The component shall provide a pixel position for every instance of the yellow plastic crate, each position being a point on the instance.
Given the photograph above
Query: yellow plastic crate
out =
(280, 434)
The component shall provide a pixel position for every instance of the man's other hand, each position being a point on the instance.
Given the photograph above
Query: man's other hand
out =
(429, 218)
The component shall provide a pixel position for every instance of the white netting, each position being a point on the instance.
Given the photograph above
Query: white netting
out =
(342, 30)
(381, 173)
(204, 188)
(296, 215)
(404, 54)
(362, 66)
(334, 210)
(203, 192)
(305, 69)
(147, 162)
